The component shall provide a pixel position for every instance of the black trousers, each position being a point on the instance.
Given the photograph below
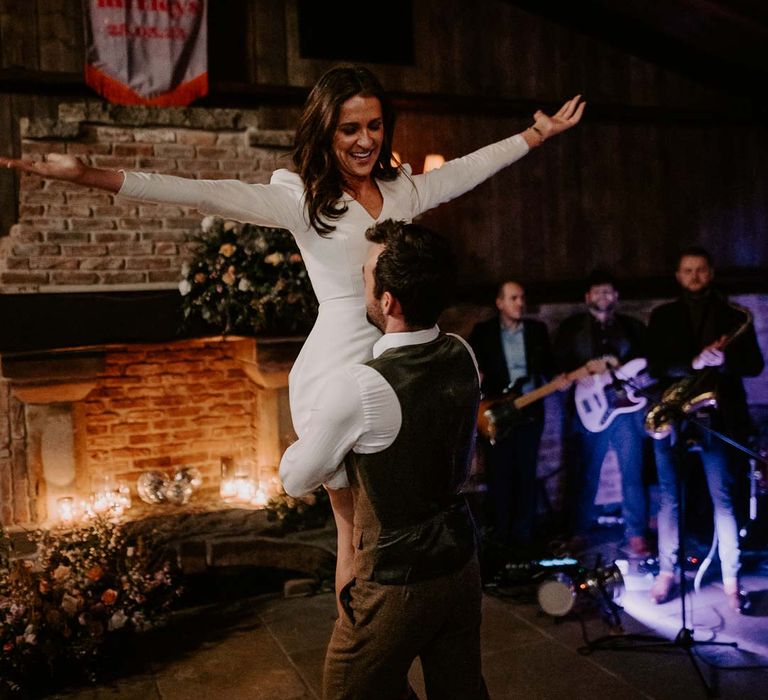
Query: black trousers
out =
(512, 490)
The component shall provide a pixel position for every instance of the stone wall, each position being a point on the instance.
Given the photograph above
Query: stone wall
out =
(71, 238)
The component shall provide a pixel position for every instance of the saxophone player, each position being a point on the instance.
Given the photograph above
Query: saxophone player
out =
(696, 333)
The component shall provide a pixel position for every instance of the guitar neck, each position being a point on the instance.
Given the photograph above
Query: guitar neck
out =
(548, 388)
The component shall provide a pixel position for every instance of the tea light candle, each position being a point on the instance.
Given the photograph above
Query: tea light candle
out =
(244, 488)
(227, 489)
(260, 497)
(66, 508)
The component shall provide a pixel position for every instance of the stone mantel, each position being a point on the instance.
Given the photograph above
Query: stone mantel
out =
(65, 374)
(57, 376)
(74, 115)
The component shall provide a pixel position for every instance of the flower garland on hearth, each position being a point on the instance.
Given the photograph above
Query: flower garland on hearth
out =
(84, 588)
(244, 278)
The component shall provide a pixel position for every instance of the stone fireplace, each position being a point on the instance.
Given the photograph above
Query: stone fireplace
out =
(90, 389)
(74, 416)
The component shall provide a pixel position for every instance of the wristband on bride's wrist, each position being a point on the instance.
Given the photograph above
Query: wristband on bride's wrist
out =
(539, 133)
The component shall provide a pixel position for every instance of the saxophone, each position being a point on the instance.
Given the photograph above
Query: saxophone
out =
(689, 394)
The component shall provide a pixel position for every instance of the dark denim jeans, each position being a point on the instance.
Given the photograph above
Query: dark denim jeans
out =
(625, 434)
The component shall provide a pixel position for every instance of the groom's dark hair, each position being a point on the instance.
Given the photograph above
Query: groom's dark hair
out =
(417, 267)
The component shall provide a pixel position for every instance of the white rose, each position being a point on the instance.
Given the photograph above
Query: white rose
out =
(29, 635)
(117, 621)
(207, 223)
(244, 285)
(185, 287)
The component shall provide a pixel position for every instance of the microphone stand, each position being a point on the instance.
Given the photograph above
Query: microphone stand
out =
(684, 639)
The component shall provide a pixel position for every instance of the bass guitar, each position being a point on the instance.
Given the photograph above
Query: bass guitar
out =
(602, 397)
(496, 416)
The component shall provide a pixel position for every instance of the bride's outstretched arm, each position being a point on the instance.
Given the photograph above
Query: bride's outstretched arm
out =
(59, 166)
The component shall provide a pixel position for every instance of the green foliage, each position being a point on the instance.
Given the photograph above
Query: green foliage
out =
(247, 279)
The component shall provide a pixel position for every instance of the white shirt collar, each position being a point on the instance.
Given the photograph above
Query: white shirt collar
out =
(398, 340)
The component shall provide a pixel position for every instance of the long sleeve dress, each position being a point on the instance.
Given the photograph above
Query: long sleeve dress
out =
(341, 334)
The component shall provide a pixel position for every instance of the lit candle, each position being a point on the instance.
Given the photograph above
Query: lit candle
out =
(102, 501)
(260, 497)
(244, 488)
(86, 508)
(227, 489)
(123, 495)
(66, 508)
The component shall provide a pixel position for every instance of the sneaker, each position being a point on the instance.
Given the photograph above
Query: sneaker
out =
(664, 588)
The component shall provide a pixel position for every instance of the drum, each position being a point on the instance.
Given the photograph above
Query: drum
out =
(557, 594)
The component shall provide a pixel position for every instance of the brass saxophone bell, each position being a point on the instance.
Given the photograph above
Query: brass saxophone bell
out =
(658, 422)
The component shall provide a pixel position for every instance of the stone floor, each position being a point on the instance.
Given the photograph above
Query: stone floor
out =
(271, 648)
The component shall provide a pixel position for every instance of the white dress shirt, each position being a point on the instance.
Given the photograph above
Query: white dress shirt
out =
(358, 410)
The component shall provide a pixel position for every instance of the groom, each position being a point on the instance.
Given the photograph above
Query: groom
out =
(407, 420)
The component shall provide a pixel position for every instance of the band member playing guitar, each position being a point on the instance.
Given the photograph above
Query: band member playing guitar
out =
(514, 355)
(697, 338)
(591, 337)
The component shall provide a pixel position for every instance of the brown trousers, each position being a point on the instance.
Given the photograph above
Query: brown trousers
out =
(385, 627)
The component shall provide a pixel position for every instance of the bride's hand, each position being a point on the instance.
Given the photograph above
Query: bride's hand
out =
(56, 166)
(567, 116)
(59, 166)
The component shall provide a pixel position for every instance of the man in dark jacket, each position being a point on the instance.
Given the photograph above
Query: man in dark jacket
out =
(581, 340)
(703, 337)
(513, 353)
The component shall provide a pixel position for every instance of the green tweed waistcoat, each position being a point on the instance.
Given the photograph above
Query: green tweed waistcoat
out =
(410, 522)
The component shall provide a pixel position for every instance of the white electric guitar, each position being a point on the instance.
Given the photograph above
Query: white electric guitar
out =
(601, 397)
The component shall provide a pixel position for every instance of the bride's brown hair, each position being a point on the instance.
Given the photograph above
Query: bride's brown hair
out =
(313, 154)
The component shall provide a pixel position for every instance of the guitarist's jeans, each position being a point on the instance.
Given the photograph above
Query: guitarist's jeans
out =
(625, 434)
(720, 483)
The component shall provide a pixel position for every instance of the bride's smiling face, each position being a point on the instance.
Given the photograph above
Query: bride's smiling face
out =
(358, 137)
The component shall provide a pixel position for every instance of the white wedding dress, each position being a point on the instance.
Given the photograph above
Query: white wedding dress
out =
(341, 335)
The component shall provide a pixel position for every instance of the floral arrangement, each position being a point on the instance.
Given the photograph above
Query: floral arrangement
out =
(84, 588)
(245, 278)
(292, 514)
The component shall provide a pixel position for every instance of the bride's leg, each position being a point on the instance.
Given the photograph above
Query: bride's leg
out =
(341, 503)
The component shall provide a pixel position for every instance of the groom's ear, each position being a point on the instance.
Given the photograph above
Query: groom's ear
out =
(391, 305)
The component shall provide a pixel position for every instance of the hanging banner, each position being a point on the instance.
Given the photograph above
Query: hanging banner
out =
(148, 52)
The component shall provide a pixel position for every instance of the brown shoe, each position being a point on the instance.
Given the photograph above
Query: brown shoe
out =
(638, 545)
(664, 588)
